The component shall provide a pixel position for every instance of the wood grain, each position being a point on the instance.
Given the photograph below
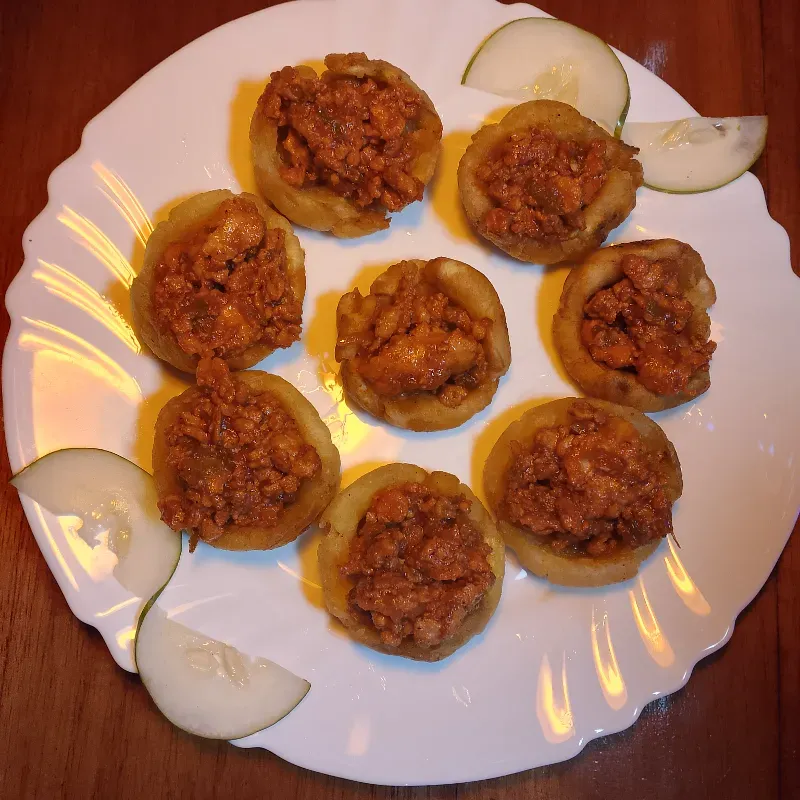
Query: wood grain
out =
(73, 725)
(780, 32)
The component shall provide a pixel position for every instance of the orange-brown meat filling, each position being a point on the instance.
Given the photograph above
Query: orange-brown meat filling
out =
(540, 184)
(588, 487)
(239, 456)
(353, 135)
(419, 566)
(417, 340)
(640, 323)
(225, 288)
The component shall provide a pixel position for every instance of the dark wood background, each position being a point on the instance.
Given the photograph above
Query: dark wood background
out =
(74, 725)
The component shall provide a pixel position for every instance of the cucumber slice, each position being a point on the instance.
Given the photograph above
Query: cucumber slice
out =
(116, 505)
(696, 154)
(207, 687)
(539, 58)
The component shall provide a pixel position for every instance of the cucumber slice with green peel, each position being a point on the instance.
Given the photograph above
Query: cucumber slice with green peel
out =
(116, 506)
(538, 58)
(206, 687)
(696, 154)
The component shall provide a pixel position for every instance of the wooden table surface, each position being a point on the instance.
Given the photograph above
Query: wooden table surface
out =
(74, 725)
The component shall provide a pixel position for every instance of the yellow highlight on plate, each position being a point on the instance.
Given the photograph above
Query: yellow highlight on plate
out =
(69, 287)
(685, 587)
(118, 607)
(125, 636)
(654, 639)
(348, 432)
(120, 194)
(606, 666)
(92, 359)
(552, 704)
(295, 574)
(97, 243)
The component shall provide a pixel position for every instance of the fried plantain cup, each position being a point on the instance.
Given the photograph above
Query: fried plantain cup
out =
(423, 411)
(571, 568)
(341, 521)
(319, 207)
(603, 269)
(313, 495)
(186, 219)
(609, 208)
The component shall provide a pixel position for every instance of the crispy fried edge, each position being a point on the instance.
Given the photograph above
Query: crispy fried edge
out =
(423, 412)
(537, 557)
(602, 269)
(313, 496)
(318, 207)
(613, 204)
(340, 522)
(183, 220)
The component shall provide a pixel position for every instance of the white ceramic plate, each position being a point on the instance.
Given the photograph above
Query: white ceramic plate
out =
(555, 667)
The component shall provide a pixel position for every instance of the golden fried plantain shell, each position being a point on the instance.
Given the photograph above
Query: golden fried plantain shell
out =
(610, 208)
(602, 269)
(318, 207)
(314, 494)
(469, 288)
(341, 520)
(536, 556)
(184, 220)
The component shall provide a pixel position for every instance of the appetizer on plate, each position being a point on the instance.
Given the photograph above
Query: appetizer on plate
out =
(242, 461)
(546, 184)
(224, 275)
(411, 562)
(583, 490)
(336, 152)
(425, 349)
(632, 325)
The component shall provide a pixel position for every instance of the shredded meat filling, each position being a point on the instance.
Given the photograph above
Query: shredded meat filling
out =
(640, 324)
(226, 288)
(419, 565)
(239, 456)
(353, 135)
(588, 487)
(541, 184)
(417, 340)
